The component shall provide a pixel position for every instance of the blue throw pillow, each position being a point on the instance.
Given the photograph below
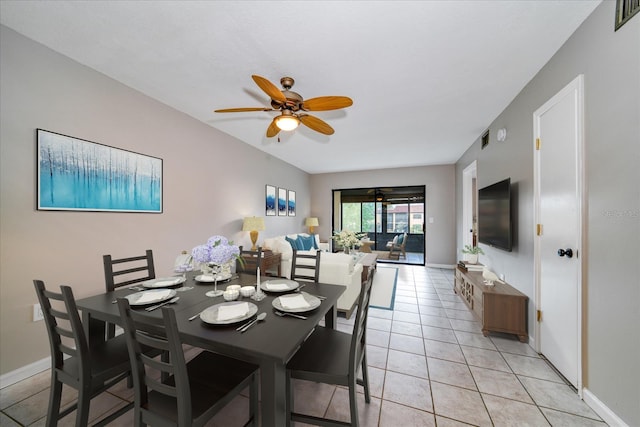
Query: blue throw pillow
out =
(400, 238)
(306, 242)
(293, 243)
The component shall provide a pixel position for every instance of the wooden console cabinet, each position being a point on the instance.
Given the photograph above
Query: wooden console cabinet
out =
(500, 308)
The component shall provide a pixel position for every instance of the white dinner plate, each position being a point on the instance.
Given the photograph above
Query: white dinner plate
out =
(312, 301)
(164, 282)
(151, 296)
(210, 315)
(209, 278)
(279, 285)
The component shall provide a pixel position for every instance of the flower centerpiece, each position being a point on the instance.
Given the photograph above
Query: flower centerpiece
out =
(347, 239)
(217, 253)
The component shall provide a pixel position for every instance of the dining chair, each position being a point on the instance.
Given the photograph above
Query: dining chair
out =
(251, 261)
(305, 266)
(88, 369)
(333, 357)
(192, 392)
(124, 272)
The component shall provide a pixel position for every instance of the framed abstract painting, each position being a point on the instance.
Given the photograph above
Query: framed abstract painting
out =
(291, 203)
(270, 200)
(282, 202)
(78, 175)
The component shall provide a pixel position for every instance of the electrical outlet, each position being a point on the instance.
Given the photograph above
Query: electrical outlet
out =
(37, 313)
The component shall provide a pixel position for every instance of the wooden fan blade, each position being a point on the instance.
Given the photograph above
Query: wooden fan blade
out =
(316, 124)
(324, 103)
(242, 110)
(272, 130)
(269, 88)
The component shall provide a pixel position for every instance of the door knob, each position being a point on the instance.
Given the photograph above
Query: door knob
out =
(568, 252)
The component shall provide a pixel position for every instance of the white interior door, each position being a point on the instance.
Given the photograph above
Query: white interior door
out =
(558, 128)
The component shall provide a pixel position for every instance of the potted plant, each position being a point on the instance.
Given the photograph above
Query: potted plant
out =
(472, 253)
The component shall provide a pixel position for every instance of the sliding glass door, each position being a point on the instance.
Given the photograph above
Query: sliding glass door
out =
(384, 213)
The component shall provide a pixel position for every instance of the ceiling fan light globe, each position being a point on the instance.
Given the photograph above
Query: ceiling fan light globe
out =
(287, 123)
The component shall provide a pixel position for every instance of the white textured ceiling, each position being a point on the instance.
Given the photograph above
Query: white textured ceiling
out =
(426, 77)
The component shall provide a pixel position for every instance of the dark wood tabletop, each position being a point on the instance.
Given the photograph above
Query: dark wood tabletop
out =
(270, 343)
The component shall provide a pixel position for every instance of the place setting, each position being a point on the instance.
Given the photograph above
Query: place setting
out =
(221, 277)
(164, 282)
(295, 303)
(151, 299)
(279, 285)
(227, 313)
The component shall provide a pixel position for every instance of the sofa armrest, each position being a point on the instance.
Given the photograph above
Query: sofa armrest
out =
(324, 246)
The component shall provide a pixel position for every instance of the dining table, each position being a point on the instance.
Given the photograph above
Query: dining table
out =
(270, 343)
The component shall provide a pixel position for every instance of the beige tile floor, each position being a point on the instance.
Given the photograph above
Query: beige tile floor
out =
(429, 365)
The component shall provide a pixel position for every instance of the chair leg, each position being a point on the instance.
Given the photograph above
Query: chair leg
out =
(353, 403)
(365, 379)
(54, 401)
(82, 412)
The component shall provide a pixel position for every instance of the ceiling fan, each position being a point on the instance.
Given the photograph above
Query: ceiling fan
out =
(293, 107)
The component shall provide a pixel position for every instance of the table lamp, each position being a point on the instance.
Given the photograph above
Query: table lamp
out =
(253, 224)
(311, 222)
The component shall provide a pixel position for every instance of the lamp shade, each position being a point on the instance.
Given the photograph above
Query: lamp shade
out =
(311, 222)
(253, 223)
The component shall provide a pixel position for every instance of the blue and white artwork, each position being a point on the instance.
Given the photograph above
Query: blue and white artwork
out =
(270, 199)
(291, 203)
(75, 174)
(282, 202)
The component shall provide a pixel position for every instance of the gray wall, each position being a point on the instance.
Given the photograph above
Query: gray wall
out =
(610, 62)
(211, 181)
(440, 202)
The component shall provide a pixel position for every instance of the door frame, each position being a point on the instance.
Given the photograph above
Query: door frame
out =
(574, 88)
(468, 175)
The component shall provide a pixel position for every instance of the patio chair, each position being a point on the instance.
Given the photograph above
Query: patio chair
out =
(192, 392)
(90, 370)
(397, 247)
(333, 357)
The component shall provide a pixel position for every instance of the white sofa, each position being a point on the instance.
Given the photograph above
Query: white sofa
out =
(335, 268)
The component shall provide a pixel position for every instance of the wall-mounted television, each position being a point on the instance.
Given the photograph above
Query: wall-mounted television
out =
(494, 215)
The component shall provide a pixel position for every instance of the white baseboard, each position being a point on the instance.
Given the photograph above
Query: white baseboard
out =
(602, 410)
(447, 266)
(24, 372)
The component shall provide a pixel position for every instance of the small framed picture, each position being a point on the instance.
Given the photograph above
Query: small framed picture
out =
(291, 203)
(282, 202)
(270, 200)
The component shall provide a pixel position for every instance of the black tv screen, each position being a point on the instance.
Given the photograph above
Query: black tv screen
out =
(494, 215)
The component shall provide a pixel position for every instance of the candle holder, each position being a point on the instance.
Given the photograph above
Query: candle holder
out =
(259, 295)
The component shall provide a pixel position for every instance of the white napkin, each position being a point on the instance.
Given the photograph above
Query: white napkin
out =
(153, 296)
(166, 282)
(277, 286)
(232, 311)
(293, 302)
